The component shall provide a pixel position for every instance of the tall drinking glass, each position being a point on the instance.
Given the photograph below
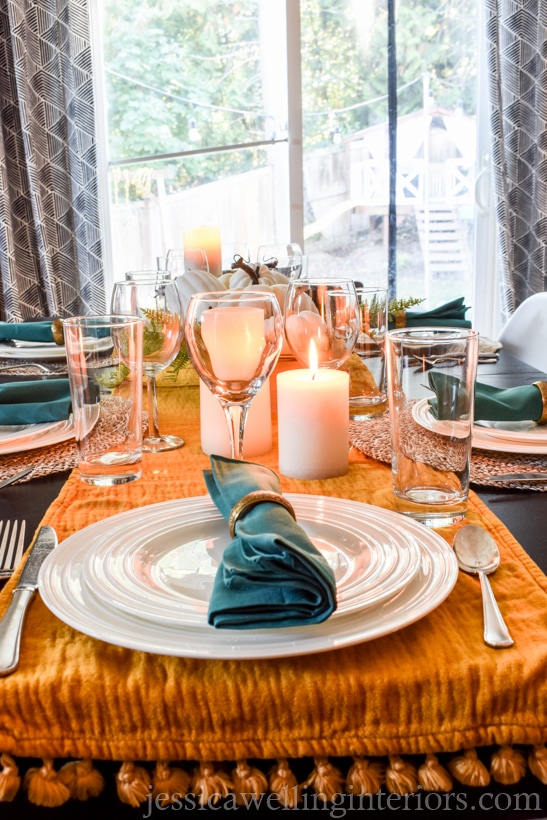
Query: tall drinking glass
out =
(104, 359)
(157, 302)
(234, 339)
(140, 275)
(179, 260)
(431, 385)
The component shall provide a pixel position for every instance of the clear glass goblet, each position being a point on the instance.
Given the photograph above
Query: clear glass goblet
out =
(157, 302)
(234, 339)
(286, 258)
(324, 312)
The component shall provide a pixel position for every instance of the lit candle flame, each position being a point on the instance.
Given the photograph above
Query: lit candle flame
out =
(313, 359)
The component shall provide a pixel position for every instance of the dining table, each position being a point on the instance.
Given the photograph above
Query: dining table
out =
(419, 716)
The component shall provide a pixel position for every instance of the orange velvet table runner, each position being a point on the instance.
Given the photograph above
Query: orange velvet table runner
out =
(430, 687)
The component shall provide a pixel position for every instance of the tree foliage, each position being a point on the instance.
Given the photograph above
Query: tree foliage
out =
(177, 67)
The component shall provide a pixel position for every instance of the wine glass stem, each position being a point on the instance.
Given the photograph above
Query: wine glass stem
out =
(237, 416)
(153, 423)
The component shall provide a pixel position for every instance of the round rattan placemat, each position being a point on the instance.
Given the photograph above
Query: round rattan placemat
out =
(373, 438)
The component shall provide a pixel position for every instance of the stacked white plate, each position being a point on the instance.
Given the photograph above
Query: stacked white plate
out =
(22, 437)
(499, 436)
(142, 579)
(35, 351)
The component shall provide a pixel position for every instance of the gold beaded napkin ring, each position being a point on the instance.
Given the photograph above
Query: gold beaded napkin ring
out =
(542, 387)
(251, 500)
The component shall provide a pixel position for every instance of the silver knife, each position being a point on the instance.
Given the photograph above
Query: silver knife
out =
(16, 477)
(11, 624)
(520, 478)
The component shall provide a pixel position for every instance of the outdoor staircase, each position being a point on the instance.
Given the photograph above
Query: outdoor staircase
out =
(443, 240)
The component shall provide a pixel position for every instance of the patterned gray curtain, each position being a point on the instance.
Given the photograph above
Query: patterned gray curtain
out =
(50, 237)
(517, 50)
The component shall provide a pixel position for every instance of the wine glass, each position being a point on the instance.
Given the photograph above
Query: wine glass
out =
(286, 258)
(157, 301)
(325, 312)
(179, 260)
(234, 338)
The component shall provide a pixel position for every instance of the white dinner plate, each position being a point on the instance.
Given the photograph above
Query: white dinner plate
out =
(502, 436)
(32, 436)
(518, 431)
(33, 352)
(166, 570)
(68, 596)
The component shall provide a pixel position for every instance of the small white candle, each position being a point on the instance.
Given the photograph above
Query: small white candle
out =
(208, 238)
(313, 420)
(215, 438)
(234, 338)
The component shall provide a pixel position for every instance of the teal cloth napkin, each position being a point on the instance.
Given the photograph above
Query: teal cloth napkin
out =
(34, 401)
(451, 314)
(491, 403)
(27, 331)
(271, 575)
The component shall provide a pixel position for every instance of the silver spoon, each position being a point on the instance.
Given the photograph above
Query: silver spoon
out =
(478, 553)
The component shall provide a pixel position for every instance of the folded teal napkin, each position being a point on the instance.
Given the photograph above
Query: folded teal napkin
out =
(35, 401)
(491, 403)
(27, 331)
(510, 404)
(451, 314)
(271, 575)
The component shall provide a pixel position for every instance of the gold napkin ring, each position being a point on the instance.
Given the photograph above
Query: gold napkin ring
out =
(542, 387)
(57, 332)
(251, 500)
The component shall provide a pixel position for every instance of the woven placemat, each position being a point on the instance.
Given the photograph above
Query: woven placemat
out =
(373, 438)
(27, 368)
(56, 458)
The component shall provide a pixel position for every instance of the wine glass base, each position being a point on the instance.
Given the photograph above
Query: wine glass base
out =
(161, 443)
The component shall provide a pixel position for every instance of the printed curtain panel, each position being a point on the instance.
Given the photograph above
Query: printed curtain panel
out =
(516, 34)
(50, 239)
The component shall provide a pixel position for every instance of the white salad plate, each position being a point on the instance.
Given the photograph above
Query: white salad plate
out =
(499, 436)
(165, 572)
(18, 438)
(67, 586)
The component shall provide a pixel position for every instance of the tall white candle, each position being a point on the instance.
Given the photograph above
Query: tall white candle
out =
(234, 338)
(208, 238)
(313, 421)
(215, 438)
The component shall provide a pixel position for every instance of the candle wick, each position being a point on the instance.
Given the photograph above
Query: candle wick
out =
(313, 375)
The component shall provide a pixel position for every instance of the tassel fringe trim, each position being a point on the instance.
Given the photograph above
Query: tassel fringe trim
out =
(209, 783)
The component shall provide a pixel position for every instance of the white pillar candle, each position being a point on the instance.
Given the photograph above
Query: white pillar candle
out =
(208, 238)
(215, 438)
(313, 421)
(234, 338)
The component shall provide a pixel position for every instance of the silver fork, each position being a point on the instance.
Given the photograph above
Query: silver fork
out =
(12, 546)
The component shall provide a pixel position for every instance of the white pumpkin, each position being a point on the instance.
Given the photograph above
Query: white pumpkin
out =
(239, 278)
(196, 281)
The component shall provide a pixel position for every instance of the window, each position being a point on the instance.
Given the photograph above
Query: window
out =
(269, 120)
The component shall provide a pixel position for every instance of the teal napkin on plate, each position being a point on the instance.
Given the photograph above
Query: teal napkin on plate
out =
(34, 402)
(509, 404)
(451, 314)
(271, 575)
(491, 403)
(27, 331)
